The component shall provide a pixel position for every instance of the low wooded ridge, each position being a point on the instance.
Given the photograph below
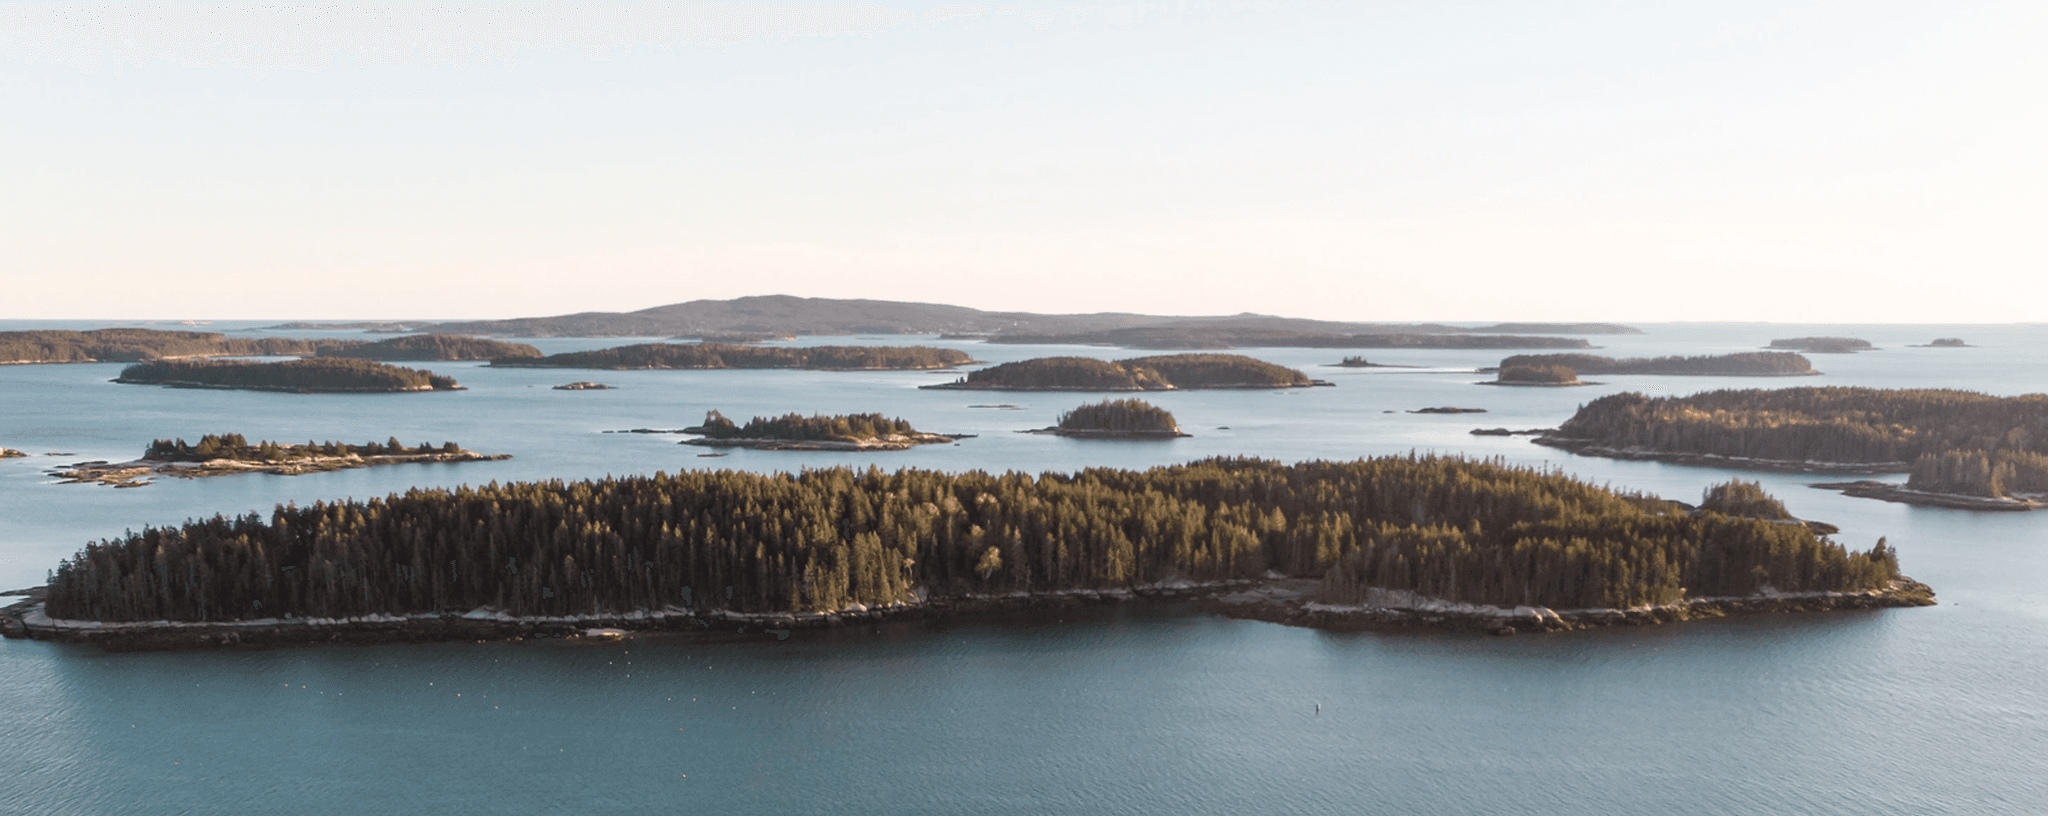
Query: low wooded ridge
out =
(424, 347)
(132, 345)
(727, 355)
(1754, 363)
(1157, 373)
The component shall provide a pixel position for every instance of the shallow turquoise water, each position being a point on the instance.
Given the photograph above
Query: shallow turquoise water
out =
(1105, 710)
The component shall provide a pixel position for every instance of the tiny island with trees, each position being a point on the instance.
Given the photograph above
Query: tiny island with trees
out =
(433, 347)
(727, 355)
(128, 345)
(1160, 373)
(1468, 544)
(225, 454)
(1537, 374)
(1960, 448)
(312, 375)
(1116, 419)
(1740, 364)
(851, 432)
(1823, 345)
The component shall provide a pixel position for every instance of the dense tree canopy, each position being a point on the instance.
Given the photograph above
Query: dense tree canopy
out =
(1128, 416)
(823, 539)
(422, 347)
(1823, 345)
(1955, 441)
(316, 374)
(1754, 363)
(1539, 374)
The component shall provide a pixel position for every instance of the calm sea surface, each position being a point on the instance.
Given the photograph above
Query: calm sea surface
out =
(1120, 710)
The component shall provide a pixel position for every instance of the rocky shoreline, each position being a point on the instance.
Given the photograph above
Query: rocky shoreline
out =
(27, 620)
(1590, 447)
(132, 473)
(1292, 603)
(1287, 601)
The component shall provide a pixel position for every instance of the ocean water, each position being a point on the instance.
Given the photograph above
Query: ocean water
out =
(1117, 709)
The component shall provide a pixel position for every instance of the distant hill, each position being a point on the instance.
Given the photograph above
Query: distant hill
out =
(786, 314)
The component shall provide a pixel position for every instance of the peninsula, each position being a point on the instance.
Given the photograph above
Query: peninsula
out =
(315, 375)
(224, 454)
(134, 345)
(1961, 448)
(1469, 544)
(1116, 419)
(849, 432)
(1741, 364)
(1161, 373)
(727, 355)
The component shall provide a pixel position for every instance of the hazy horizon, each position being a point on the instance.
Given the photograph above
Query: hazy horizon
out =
(1801, 162)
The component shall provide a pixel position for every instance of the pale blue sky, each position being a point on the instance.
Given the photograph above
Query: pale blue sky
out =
(1783, 160)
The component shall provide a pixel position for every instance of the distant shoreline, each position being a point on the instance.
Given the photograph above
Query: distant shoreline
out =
(1589, 447)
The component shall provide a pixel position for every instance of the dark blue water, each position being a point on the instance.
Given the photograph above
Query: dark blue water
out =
(1103, 710)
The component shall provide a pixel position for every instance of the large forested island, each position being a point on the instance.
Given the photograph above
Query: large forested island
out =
(1993, 450)
(434, 347)
(320, 374)
(1161, 373)
(1117, 419)
(224, 454)
(860, 432)
(132, 345)
(1519, 547)
(727, 355)
(1745, 364)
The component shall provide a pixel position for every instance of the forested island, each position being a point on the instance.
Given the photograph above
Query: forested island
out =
(223, 454)
(1743, 364)
(1161, 373)
(319, 374)
(1823, 345)
(583, 385)
(1176, 337)
(1992, 450)
(1508, 547)
(1360, 362)
(1536, 374)
(726, 355)
(433, 347)
(133, 345)
(1117, 419)
(862, 432)
(1945, 342)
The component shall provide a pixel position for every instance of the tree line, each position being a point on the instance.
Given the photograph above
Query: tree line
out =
(1536, 373)
(820, 540)
(1754, 363)
(725, 355)
(131, 345)
(236, 447)
(819, 427)
(314, 374)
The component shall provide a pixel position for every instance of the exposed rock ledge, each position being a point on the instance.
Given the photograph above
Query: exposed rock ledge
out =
(1291, 602)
